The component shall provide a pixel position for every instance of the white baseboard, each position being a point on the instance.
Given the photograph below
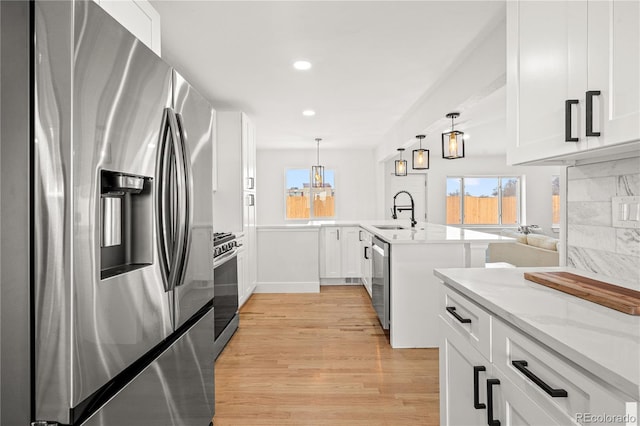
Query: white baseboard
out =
(288, 287)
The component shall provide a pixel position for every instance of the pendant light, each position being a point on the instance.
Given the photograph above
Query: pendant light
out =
(317, 172)
(420, 156)
(401, 165)
(453, 141)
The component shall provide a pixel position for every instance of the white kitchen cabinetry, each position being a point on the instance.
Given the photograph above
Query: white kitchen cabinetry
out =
(243, 272)
(330, 252)
(249, 226)
(351, 265)
(553, 77)
(235, 194)
(340, 252)
(365, 259)
(614, 69)
(492, 371)
(137, 16)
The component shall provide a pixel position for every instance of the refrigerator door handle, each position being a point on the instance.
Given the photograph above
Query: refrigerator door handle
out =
(163, 218)
(188, 202)
(177, 261)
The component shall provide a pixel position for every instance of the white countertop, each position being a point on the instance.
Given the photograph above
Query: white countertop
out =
(422, 233)
(601, 340)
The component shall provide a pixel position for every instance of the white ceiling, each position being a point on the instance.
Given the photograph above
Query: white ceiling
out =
(371, 61)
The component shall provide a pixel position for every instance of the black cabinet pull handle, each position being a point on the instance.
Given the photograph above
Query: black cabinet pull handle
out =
(366, 255)
(490, 420)
(567, 120)
(521, 366)
(359, 235)
(589, 98)
(476, 392)
(452, 311)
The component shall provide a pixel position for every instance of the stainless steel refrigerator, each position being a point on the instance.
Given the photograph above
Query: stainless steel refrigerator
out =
(120, 234)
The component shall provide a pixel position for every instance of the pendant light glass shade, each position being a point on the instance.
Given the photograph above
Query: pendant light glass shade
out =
(317, 172)
(401, 165)
(420, 156)
(453, 141)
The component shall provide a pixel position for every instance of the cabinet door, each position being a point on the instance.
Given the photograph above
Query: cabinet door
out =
(366, 265)
(252, 249)
(546, 65)
(330, 252)
(250, 240)
(614, 70)
(351, 252)
(242, 276)
(458, 362)
(248, 154)
(138, 17)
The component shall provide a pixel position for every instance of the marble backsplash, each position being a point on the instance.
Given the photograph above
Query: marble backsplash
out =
(593, 244)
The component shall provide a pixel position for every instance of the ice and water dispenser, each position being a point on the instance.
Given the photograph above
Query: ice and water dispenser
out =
(126, 222)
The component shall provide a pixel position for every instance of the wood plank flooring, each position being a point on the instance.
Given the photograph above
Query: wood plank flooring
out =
(321, 359)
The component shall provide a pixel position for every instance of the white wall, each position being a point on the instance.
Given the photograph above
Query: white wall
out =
(355, 181)
(537, 187)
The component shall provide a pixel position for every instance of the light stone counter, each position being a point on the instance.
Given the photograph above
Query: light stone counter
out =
(601, 340)
(422, 233)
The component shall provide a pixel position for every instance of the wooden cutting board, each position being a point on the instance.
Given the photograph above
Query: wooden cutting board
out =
(605, 294)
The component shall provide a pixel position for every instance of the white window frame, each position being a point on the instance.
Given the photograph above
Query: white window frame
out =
(488, 225)
(311, 216)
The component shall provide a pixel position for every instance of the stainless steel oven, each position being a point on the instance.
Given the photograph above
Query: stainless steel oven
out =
(225, 284)
(380, 282)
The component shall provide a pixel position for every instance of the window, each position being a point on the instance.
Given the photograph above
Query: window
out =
(486, 200)
(304, 202)
(555, 201)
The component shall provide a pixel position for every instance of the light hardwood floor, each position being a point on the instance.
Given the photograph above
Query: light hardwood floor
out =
(321, 359)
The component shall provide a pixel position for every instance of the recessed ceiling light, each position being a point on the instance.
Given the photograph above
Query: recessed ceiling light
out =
(308, 113)
(302, 65)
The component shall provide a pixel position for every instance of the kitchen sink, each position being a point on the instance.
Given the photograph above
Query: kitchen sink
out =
(389, 227)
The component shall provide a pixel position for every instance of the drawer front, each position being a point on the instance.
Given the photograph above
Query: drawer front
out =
(553, 382)
(512, 407)
(466, 318)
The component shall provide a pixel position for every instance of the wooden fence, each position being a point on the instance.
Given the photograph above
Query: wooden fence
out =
(298, 207)
(484, 210)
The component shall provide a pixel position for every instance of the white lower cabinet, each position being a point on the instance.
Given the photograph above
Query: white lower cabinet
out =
(243, 277)
(515, 380)
(463, 373)
(366, 265)
(340, 252)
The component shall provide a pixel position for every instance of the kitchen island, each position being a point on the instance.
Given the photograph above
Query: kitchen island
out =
(586, 357)
(415, 252)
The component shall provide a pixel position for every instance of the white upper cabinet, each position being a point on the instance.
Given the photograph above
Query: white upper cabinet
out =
(248, 154)
(614, 70)
(137, 16)
(572, 72)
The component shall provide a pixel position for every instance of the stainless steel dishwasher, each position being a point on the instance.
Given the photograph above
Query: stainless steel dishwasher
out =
(380, 291)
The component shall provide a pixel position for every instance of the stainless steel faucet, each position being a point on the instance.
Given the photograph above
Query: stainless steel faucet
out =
(397, 208)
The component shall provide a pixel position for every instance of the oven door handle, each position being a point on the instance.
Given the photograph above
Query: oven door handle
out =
(220, 260)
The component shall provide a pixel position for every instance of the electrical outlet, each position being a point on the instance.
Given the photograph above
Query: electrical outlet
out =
(625, 212)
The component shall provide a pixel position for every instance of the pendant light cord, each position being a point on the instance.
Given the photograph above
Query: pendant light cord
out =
(318, 151)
